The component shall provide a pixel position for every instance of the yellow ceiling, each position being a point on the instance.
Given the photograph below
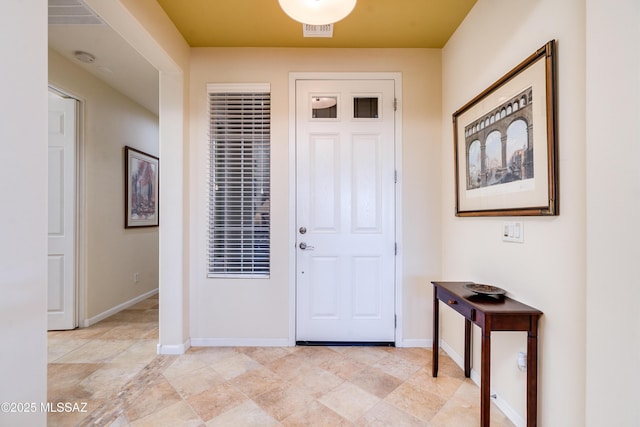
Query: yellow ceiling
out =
(261, 23)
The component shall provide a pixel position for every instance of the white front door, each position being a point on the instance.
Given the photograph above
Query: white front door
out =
(61, 306)
(345, 211)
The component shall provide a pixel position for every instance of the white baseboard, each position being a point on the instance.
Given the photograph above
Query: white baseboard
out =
(453, 355)
(502, 404)
(509, 412)
(420, 343)
(176, 349)
(281, 342)
(118, 308)
(240, 342)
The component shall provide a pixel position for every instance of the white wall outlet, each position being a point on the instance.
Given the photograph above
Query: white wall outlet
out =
(522, 361)
(136, 277)
(513, 231)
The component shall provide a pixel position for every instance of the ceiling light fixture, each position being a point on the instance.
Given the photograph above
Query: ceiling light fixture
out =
(322, 103)
(317, 12)
(85, 57)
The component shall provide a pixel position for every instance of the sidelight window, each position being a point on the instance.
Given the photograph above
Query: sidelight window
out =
(239, 180)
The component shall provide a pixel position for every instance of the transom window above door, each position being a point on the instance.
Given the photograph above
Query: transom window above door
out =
(326, 107)
(365, 107)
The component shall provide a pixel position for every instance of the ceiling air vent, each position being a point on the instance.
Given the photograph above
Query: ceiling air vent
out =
(317, 30)
(72, 12)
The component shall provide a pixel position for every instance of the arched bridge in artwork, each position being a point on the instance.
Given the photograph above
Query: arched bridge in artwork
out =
(499, 145)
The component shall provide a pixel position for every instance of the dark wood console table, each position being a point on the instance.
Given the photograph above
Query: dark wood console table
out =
(490, 313)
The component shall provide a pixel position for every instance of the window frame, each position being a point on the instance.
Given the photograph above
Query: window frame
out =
(244, 151)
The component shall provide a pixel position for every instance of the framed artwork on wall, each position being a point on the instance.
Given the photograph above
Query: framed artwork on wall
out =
(505, 149)
(141, 189)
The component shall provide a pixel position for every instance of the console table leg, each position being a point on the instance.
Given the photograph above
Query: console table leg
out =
(485, 380)
(532, 377)
(467, 348)
(436, 335)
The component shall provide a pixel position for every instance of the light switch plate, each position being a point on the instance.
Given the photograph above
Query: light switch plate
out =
(513, 231)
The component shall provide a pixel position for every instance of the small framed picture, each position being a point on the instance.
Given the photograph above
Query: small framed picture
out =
(141, 189)
(505, 143)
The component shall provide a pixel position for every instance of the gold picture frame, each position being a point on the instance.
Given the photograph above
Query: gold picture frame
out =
(505, 147)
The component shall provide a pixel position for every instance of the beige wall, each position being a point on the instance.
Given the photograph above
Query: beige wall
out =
(23, 271)
(112, 254)
(547, 271)
(23, 213)
(258, 309)
(144, 24)
(613, 230)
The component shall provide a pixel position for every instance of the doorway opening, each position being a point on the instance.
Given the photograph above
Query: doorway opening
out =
(63, 224)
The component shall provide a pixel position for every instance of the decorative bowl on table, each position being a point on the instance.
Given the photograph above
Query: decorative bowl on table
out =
(481, 289)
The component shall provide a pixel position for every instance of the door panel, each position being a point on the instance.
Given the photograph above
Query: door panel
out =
(367, 172)
(324, 183)
(56, 190)
(56, 294)
(325, 292)
(367, 287)
(345, 284)
(61, 310)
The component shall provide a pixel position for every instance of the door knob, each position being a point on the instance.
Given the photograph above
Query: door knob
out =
(305, 247)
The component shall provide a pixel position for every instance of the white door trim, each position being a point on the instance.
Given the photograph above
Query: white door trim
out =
(293, 77)
(79, 220)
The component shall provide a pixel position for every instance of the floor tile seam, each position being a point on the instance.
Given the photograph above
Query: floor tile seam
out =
(107, 359)
(135, 326)
(376, 367)
(362, 419)
(416, 391)
(117, 404)
(247, 399)
(354, 422)
(69, 352)
(395, 358)
(98, 368)
(232, 356)
(290, 383)
(453, 392)
(273, 361)
(186, 402)
(56, 360)
(269, 367)
(286, 386)
(325, 392)
(345, 420)
(381, 398)
(226, 382)
(79, 380)
(128, 401)
(365, 363)
(186, 372)
(134, 340)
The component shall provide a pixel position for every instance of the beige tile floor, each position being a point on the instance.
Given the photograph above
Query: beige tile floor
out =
(113, 368)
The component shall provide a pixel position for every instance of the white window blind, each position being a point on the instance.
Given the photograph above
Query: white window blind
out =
(239, 186)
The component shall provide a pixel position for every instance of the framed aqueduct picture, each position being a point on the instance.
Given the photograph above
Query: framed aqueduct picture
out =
(505, 143)
(141, 189)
